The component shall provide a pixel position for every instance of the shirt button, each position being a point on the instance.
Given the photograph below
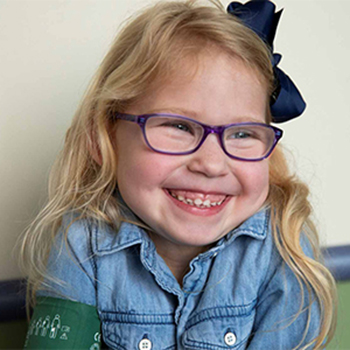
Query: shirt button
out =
(145, 344)
(230, 338)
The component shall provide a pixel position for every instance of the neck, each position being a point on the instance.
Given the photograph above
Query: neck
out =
(177, 257)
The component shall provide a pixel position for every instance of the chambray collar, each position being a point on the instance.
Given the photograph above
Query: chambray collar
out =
(256, 226)
(105, 240)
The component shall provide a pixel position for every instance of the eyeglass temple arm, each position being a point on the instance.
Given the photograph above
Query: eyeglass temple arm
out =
(128, 117)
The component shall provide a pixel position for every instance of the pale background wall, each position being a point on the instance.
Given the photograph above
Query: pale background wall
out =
(49, 50)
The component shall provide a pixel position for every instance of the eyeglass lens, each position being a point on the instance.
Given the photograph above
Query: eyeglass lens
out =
(176, 135)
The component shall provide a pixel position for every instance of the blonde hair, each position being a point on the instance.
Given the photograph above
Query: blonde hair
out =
(83, 178)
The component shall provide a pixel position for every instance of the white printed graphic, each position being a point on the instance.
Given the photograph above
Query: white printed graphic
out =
(31, 327)
(27, 339)
(38, 325)
(53, 329)
(55, 326)
(46, 326)
(66, 329)
(64, 336)
(97, 337)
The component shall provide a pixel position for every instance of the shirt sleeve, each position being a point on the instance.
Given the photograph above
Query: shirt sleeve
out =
(279, 321)
(70, 267)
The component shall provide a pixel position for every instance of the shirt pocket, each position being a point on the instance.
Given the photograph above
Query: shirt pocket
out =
(220, 328)
(122, 331)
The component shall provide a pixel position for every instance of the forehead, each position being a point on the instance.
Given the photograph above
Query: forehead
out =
(212, 85)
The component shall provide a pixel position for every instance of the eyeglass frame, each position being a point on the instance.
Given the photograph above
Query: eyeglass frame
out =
(141, 120)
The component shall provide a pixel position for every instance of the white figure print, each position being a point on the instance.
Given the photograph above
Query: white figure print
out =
(55, 326)
(31, 327)
(46, 326)
(38, 325)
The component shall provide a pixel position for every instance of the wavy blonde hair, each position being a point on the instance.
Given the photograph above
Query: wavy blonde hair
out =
(84, 179)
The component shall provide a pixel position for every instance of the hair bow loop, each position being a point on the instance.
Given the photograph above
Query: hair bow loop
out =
(259, 15)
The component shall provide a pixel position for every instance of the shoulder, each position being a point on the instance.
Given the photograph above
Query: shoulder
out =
(76, 233)
(286, 308)
(282, 246)
(70, 270)
(269, 261)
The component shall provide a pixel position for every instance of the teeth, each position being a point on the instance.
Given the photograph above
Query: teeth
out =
(206, 203)
(197, 202)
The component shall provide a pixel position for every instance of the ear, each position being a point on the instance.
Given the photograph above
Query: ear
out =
(93, 147)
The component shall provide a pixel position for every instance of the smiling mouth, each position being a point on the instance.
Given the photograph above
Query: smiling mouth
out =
(195, 201)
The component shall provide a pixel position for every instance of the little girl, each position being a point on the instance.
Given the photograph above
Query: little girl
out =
(173, 222)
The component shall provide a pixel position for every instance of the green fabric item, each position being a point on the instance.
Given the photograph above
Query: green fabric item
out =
(63, 324)
(341, 340)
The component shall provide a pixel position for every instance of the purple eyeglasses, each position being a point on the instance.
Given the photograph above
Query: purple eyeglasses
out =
(178, 135)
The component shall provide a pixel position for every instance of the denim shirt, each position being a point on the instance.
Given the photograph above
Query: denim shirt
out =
(237, 295)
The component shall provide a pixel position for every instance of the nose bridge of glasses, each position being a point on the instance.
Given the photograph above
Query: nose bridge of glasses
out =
(212, 129)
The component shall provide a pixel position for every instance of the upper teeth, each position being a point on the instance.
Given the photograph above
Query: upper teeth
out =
(197, 202)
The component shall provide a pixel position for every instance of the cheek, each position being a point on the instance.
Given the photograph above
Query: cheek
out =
(134, 177)
(254, 179)
(136, 171)
(141, 177)
(141, 170)
(132, 171)
(129, 147)
(262, 182)
(139, 166)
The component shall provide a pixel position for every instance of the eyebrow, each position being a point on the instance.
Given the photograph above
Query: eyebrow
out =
(194, 115)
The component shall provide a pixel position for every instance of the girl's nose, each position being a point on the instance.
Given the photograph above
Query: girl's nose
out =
(210, 160)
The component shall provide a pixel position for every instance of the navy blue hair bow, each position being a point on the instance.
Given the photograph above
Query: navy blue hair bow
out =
(259, 15)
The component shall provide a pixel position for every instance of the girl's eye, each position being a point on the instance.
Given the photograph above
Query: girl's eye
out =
(179, 126)
(240, 135)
